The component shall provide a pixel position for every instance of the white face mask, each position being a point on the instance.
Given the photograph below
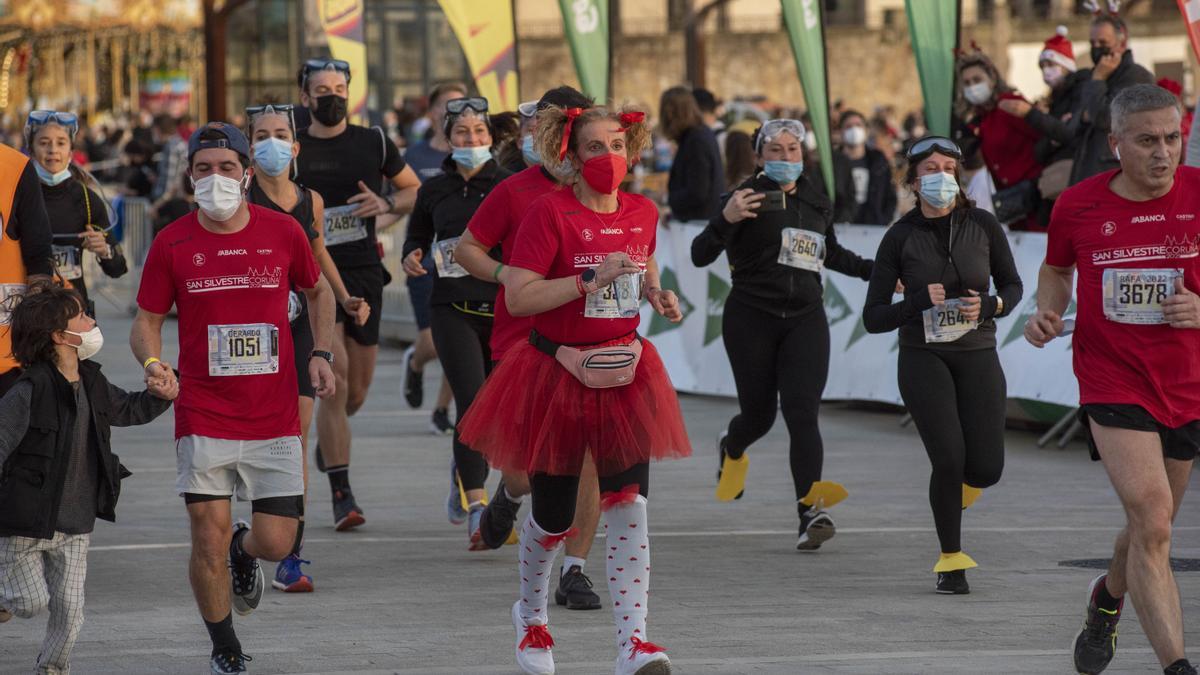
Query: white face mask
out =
(855, 136)
(978, 93)
(92, 342)
(218, 196)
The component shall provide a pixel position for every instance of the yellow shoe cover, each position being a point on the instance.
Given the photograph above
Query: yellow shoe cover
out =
(969, 495)
(825, 494)
(951, 562)
(462, 494)
(513, 537)
(733, 478)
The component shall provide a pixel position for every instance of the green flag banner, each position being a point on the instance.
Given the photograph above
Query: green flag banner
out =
(806, 31)
(586, 25)
(933, 26)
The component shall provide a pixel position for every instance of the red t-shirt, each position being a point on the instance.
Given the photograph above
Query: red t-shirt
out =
(1154, 366)
(222, 280)
(495, 223)
(559, 237)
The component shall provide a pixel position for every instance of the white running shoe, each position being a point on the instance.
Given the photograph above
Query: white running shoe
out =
(643, 658)
(533, 645)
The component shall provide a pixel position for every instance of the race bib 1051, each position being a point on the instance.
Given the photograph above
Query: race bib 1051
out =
(243, 349)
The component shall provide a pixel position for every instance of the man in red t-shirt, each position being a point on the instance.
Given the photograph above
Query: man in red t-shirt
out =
(227, 269)
(1134, 235)
(494, 224)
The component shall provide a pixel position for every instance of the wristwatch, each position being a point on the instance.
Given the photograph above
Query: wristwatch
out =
(321, 354)
(588, 277)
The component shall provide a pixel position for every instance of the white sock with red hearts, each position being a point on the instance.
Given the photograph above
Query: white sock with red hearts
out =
(535, 563)
(628, 566)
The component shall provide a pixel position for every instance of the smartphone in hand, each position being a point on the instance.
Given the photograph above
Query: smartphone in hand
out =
(773, 200)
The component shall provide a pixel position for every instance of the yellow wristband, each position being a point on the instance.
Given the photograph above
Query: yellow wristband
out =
(152, 359)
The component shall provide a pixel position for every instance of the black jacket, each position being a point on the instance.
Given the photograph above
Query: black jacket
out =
(68, 212)
(752, 245)
(917, 251)
(1093, 155)
(697, 176)
(1060, 124)
(32, 477)
(880, 207)
(445, 204)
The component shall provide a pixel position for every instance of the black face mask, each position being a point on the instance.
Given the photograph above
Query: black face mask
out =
(1099, 53)
(330, 110)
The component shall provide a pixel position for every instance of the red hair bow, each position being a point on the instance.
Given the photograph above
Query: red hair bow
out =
(629, 119)
(572, 115)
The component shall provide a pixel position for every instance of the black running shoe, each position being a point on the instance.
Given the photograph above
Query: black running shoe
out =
(413, 383)
(816, 528)
(1180, 667)
(575, 590)
(953, 583)
(439, 423)
(320, 459)
(246, 575)
(226, 663)
(346, 514)
(721, 459)
(1097, 642)
(498, 519)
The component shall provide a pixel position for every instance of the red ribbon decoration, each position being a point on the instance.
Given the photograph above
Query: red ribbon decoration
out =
(629, 119)
(572, 114)
(641, 646)
(550, 541)
(627, 495)
(538, 637)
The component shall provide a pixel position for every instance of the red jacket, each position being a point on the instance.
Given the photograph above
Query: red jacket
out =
(1007, 145)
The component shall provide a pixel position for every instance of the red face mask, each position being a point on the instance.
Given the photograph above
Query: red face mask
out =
(605, 173)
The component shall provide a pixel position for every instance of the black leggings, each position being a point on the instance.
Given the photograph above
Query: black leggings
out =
(784, 360)
(957, 400)
(461, 339)
(553, 506)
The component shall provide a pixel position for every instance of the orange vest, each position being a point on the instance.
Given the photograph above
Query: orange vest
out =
(12, 267)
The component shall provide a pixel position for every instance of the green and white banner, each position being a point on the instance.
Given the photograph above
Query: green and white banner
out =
(806, 32)
(586, 25)
(861, 366)
(933, 27)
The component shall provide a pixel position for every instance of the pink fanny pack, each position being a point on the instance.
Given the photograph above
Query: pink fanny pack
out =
(596, 367)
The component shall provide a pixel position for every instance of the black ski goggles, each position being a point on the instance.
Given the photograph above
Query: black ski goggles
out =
(317, 65)
(457, 106)
(931, 144)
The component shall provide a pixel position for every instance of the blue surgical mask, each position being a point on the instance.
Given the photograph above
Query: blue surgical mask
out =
(939, 189)
(783, 172)
(527, 151)
(51, 179)
(272, 155)
(472, 158)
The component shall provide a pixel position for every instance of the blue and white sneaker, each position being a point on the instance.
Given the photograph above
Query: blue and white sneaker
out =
(454, 510)
(228, 663)
(289, 578)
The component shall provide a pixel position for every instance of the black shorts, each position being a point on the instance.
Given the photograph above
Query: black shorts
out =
(366, 283)
(420, 292)
(302, 341)
(285, 507)
(1181, 443)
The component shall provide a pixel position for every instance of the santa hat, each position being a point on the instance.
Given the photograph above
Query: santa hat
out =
(1171, 86)
(1058, 50)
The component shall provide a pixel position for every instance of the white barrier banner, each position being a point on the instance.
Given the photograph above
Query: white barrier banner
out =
(861, 366)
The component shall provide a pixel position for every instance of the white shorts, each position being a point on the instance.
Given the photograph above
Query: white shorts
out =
(251, 469)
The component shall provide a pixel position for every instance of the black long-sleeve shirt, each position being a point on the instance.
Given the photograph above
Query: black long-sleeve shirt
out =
(697, 176)
(28, 223)
(753, 248)
(69, 214)
(445, 204)
(963, 251)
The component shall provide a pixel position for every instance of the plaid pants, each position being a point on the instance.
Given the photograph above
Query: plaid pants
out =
(39, 574)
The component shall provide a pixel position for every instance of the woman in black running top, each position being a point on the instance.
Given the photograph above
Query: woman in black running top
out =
(778, 233)
(462, 306)
(273, 135)
(947, 254)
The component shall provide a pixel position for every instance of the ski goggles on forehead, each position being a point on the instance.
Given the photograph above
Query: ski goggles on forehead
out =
(286, 109)
(38, 118)
(336, 65)
(458, 106)
(772, 128)
(527, 109)
(931, 144)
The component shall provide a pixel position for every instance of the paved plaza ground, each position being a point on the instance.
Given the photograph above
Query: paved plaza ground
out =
(730, 592)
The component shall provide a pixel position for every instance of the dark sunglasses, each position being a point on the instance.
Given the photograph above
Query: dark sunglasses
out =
(458, 105)
(931, 144)
(337, 65)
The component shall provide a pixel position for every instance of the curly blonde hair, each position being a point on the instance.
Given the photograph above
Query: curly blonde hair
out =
(552, 121)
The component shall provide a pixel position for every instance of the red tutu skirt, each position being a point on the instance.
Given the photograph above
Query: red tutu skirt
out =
(532, 415)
